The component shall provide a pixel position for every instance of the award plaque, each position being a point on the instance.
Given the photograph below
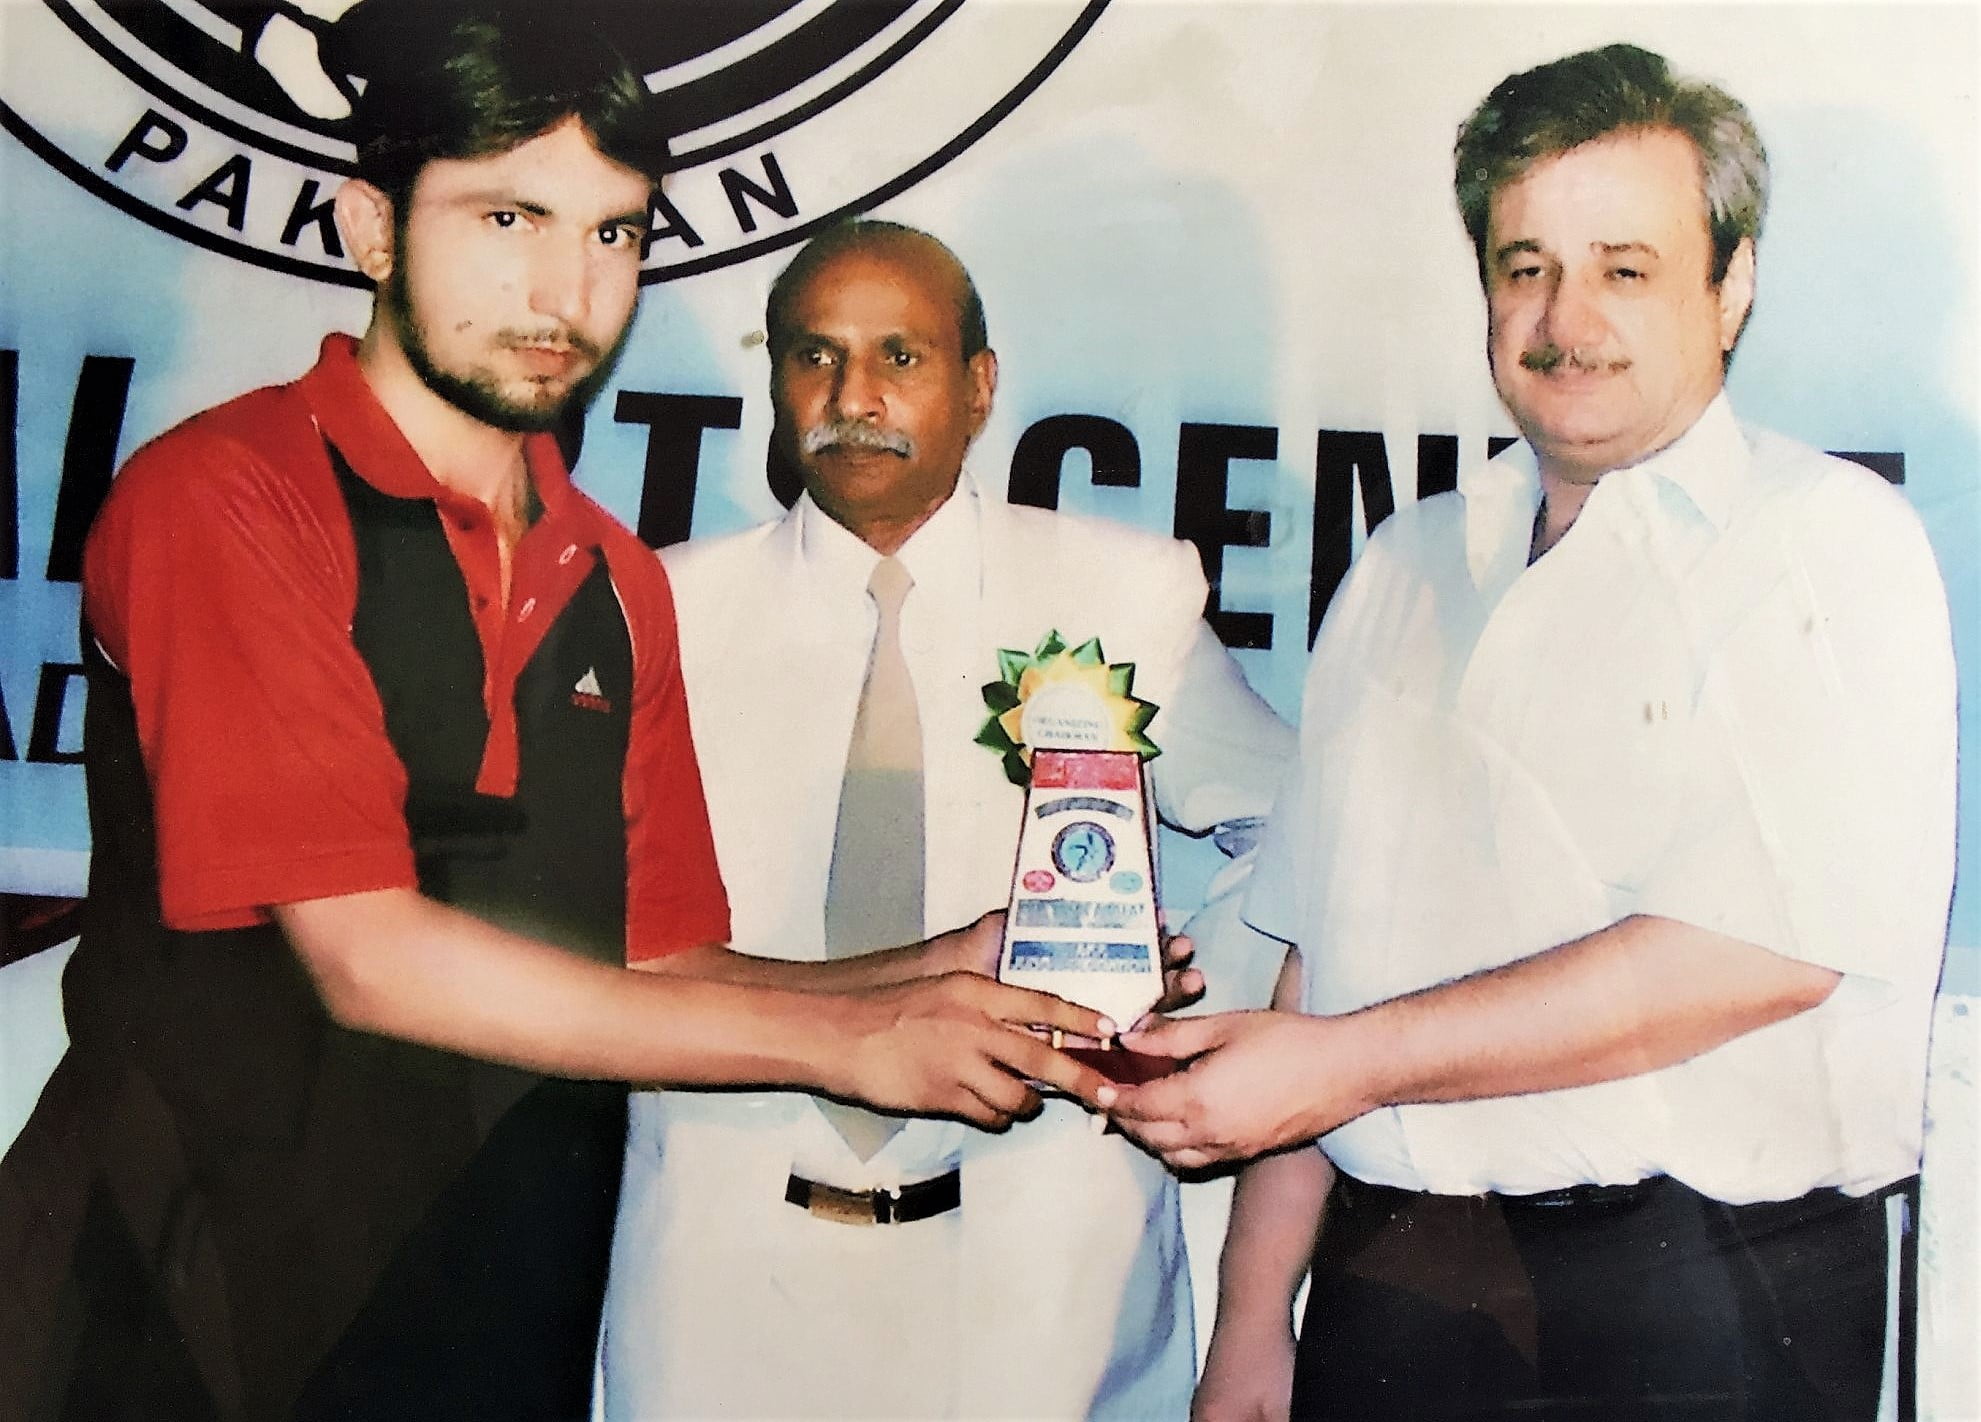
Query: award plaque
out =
(1083, 923)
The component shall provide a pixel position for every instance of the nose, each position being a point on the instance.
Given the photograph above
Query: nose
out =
(1573, 319)
(560, 282)
(857, 393)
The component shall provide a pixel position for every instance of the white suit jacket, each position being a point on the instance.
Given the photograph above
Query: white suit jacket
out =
(1065, 1264)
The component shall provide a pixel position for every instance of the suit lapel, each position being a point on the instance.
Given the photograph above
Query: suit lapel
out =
(771, 726)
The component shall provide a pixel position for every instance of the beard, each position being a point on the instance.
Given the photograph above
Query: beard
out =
(477, 392)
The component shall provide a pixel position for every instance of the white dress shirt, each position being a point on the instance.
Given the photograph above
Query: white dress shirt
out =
(938, 642)
(1726, 697)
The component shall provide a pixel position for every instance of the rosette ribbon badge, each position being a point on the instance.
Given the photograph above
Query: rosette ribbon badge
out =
(1083, 922)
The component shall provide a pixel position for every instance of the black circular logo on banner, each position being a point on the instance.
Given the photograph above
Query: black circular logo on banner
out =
(221, 122)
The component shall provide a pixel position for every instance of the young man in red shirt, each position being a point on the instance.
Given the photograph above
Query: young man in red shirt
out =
(390, 775)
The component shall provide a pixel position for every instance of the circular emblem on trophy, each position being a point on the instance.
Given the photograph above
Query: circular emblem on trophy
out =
(222, 121)
(1083, 851)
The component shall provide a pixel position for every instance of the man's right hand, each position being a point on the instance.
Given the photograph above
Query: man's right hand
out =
(1255, 1081)
(959, 1045)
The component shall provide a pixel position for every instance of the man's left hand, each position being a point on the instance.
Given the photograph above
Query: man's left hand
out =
(1256, 1081)
(1181, 983)
(977, 948)
(971, 949)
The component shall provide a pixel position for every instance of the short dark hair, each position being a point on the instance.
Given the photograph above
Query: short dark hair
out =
(860, 234)
(1599, 92)
(470, 78)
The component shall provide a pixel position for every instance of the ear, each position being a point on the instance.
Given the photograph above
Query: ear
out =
(983, 388)
(364, 219)
(1736, 295)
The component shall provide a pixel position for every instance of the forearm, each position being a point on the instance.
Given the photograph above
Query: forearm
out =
(428, 973)
(1634, 997)
(714, 962)
(395, 963)
(1642, 994)
(1276, 1213)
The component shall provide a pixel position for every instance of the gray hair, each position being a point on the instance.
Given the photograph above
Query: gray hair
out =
(1583, 97)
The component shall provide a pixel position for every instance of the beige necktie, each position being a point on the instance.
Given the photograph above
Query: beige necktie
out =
(873, 897)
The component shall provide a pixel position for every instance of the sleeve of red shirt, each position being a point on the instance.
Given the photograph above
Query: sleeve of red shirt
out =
(674, 894)
(219, 586)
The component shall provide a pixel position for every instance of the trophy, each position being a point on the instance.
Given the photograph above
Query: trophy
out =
(1083, 922)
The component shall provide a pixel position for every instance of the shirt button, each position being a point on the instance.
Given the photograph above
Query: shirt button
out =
(567, 555)
(523, 612)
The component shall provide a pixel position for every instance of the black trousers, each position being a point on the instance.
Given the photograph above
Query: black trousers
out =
(1597, 1304)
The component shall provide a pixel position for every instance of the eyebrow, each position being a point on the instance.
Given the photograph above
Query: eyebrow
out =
(1525, 244)
(804, 336)
(1608, 249)
(886, 339)
(499, 197)
(504, 197)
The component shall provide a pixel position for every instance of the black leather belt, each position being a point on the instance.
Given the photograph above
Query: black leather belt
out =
(1599, 1199)
(919, 1201)
(1569, 1200)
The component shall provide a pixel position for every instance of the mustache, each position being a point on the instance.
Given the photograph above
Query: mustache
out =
(854, 435)
(1545, 358)
(555, 337)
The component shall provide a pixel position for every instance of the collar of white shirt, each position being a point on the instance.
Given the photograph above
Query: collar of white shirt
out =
(1706, 464)
(942, 556)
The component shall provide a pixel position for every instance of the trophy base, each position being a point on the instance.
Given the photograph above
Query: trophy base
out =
(1121, 1065)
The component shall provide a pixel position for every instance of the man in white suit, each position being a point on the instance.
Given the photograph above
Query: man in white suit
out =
(768, 1261)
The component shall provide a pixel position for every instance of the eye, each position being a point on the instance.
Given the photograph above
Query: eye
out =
(1627, 274)
(620, 234)
(811, 357)
(1527, 271)
(901, 359)
(504, 217)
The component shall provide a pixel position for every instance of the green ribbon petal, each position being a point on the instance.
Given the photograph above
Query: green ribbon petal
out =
(1001, 697)
(1015, 768)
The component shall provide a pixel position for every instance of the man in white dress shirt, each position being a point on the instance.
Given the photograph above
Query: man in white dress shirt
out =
(1619, 857)
(773, 1258)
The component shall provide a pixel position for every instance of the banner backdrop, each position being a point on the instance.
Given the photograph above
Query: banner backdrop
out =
(1216, 242)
